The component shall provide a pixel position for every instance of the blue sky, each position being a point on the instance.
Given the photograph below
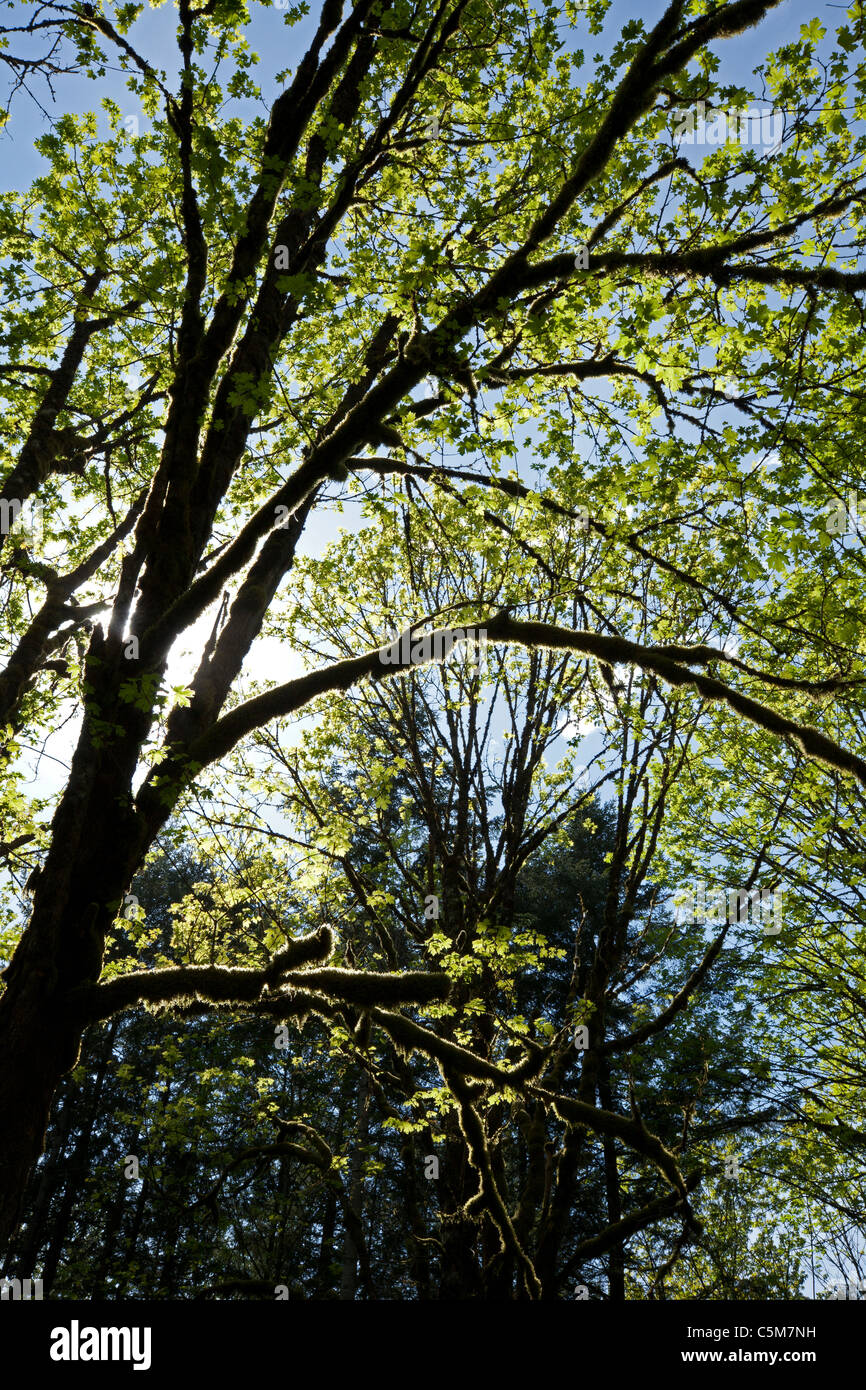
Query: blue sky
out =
(279, 47)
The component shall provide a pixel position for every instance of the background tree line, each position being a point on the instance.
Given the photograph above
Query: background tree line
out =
(275, 1167)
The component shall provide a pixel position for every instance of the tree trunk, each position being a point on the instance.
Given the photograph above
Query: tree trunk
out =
(23, 1255)
(324, 1278)
(459, 1276)
(349, 1278)
(110, 1231)
(97, 843)
(36, 1055)
(78, 1162)
(616, 1258)
(131, 1241)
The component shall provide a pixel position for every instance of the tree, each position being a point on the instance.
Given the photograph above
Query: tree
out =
(250, 313)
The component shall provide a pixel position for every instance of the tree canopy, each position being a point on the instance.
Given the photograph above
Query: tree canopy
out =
(430, 551)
